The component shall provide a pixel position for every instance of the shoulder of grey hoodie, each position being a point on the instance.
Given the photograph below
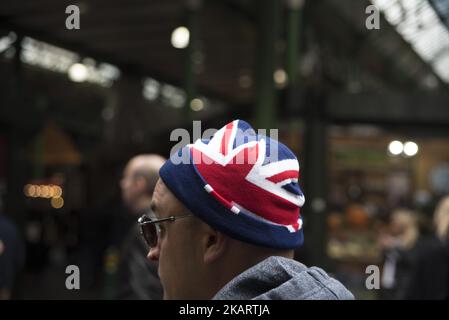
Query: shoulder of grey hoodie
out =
(280, 278)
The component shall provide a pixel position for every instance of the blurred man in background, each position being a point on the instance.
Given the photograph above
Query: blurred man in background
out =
(399, 248)
(137, 277)
(429, 278)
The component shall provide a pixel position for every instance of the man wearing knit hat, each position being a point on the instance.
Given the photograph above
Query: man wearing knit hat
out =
(226, 221)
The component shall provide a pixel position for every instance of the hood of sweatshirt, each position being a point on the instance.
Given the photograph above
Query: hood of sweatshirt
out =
(279, 278)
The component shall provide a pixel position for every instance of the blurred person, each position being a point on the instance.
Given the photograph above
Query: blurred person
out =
(12, 257)
(441, 220)
(227, 222)
(430, 272)
(398, 244)
(137, 277)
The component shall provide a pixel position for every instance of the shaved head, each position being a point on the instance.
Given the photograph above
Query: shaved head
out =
(147, 166)
(139, 179)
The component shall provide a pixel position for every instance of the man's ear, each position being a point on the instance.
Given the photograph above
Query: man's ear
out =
(214, 244)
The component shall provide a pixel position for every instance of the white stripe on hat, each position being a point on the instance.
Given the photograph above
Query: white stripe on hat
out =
(235, 210)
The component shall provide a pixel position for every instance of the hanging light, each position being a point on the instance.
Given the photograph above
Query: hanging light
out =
(78, 72)
(180, 37)
(395, 147)
(196, 104)
(280, 78)
(57, 203)
(410, 148)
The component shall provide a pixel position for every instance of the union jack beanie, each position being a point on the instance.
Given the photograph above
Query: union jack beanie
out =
(242, 184)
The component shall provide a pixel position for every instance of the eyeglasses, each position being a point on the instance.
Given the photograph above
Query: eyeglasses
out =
(149, 228)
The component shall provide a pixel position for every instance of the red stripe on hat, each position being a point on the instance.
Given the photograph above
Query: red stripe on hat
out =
(226, 137)
(223, 201)
(295, 226)
(290, 174)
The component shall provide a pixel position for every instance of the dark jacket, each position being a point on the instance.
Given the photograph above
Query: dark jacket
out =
(429, 275)
(12, 253)
(137, 278)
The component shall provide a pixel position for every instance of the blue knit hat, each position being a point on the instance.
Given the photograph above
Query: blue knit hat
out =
(242, 184)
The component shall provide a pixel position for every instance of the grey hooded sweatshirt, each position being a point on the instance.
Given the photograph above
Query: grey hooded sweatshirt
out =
(279, 278)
